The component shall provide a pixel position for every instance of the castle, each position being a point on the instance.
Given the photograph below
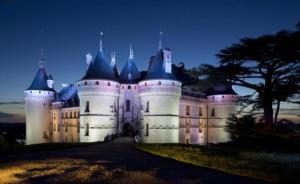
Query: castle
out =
(153, 104)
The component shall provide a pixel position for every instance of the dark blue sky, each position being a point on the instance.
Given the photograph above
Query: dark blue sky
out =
(67, 30)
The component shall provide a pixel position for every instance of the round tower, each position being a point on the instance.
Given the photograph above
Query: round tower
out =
(159, 92)
(221, 106)
(98, 92)
(38, 99)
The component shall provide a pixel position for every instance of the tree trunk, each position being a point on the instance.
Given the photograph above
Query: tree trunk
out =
(268, 101)
(277, 111)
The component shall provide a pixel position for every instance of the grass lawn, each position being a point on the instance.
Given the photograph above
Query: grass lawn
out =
(265, 165)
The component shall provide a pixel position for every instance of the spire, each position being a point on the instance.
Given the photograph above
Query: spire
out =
(42, 60)
(101, 44)
(113, 58)
(160, 40)
(130, 51)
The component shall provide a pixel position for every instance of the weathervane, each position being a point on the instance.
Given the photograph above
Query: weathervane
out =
(42, 60)
(160, 40)
(101, 44)
(130, 51)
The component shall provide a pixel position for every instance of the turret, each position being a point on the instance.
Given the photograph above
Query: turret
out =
(159, 92)
(50, 81)
(221, 105)
(98, 93)
(38, 99)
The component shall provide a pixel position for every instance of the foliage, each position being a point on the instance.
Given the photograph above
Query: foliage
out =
(269, 65)
(234, 160)
(240, 128)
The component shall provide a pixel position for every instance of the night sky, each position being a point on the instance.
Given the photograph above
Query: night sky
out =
(67, 30)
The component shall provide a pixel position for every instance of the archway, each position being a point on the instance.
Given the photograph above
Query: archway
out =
(128, 130)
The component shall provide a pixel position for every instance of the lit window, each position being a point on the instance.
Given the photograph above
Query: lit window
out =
(187, 110)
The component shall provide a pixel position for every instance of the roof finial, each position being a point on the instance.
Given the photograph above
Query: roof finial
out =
(113, 58)
(130, 51)
(160, 40)
(101, 44)
(42, 60)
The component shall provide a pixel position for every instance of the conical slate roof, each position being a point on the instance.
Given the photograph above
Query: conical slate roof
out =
(99, 69)
(130, 73)
(156, 70)
(40, 81)
(223, 89)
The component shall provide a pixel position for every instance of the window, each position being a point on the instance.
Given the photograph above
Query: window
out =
(54, 127)
(187, 141)
(145, 83)
(173, 83)
(213, 112)
(85, 83)
(199, 126)
(78, 126)
(108, 83)
(87, 106)
(70, 116)
(223, 96)
(159, 82)
(127, 105)
(87, 127)
(122, 87)
(187, 110)
(129, 87)
(66, 127)
(147, 106)
(200, 111)
(187, 127)
(147, 130)
(58, 127)
(97, 82)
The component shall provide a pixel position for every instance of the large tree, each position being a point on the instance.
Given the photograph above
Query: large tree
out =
(267, 64)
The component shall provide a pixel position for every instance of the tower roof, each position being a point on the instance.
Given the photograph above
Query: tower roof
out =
(40, 81)
(130, 73)
(156, 70)
(99, 69)
(222, 89)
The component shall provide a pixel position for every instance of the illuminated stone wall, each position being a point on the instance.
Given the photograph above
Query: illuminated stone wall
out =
(100, 119)
(160, 104)
(70, 125)
(38, 116)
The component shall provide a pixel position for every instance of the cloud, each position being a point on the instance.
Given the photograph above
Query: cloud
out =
(12, 103)
(11, 117)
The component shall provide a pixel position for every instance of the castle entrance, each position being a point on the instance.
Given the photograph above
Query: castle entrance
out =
(128, 130)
